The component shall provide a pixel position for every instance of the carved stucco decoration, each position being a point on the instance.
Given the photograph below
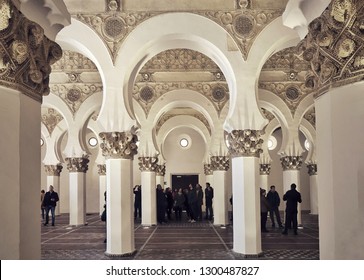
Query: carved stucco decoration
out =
(207, 167)
(73, 62)
(287, 60)
(268, 115)
(264, 169)
(53, 170)
(147, 93)
(334, 46)
(119, 144)
(245, 143)
(148, 164)
(291, 162)
(77, 164)
(74, 94)
(220, 163)
(161, 169)
(101, 169)
(312, 169)
(310, 116)
(164, 118)
(51, 118)
(25, 53)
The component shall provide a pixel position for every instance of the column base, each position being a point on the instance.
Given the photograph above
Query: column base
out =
(120, 256)
(247, 256)
(148, 225)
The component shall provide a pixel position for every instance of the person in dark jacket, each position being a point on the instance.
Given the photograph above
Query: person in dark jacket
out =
(179, 200)
(170, 202)
(274, 201)
(199, 197)
(50, 203)
(161, 205)
(209, 195)
(292, 197)
(192, 203)
(137, 201)
(264, 207)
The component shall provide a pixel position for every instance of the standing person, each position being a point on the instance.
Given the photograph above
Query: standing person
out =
(50, 203)
(179, 201)
(137, 201)
(274, 201)
(192, 203)
(186, 204)
(209, 195)
(264, 207)
(199, 197)
(103, 216)
(170, 202)
(292, 197)
(42, 208)
(161, 205)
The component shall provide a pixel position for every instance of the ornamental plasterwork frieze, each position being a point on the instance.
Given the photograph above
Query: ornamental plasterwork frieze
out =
(148, 164)
(162, 120)
(245, 143)
(334, 46)
(25, 53)
(264, 169)
(147, 93)
(161, 169)
(312, 169)
(220, 163)
(310, 116)
(51, 118)
(119, 144)
(268, 115)
(73, 62)
(101, 169)
(291, 162)
(207, 167)
(74, 94)
(53, 170)
(287, 60)
(77, 164)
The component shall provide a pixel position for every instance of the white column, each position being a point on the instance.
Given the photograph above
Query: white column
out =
(263, 178)
(160, 172)
(221, 199)
(246, 206)
(210, 179)
(77, 168)
(119, 211)
(340, 154)
(149, 199)
(102, 186)
(53, 178)
(312, 171)
(19, 176)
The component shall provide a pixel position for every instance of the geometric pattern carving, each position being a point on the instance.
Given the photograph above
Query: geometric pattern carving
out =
(51, 118)
(310, 116)
(220, 163)
(268, 115)
(148, 164)
(119, 144)
(287, 60)
(53, 170)
(291, 162)
(245, 143)
(101, 169)
(207, 167)
(77, 164)
(25, 53)
(312, 169)
(334, 45)
(264, 169)
(73, 62)
(161, 169)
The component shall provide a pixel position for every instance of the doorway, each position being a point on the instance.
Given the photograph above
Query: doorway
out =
(183, 180)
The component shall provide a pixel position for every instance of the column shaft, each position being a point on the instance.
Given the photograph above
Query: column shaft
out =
(220, 198)
(102, 189)
(77, 198)
(149, 199)
(313, 195)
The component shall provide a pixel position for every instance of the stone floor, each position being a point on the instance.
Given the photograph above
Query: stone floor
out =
(174, 240)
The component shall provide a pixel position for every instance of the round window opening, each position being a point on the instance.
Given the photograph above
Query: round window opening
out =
(271, 143)
(184, 142)
(92, 141)
(41, 142)
(307, 145)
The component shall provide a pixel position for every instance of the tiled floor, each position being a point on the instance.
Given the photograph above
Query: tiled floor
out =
(174, 240)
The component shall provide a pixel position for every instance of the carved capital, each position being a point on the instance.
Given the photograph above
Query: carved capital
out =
(101, 169)
(245, 143)
(77, 164)
(26, 54)
(291, 162)
(264, 169)
(312, 169)
(119, 144)
(220, 163)
(148, 164)
(161, 169)
(53, 170)
(207, 169)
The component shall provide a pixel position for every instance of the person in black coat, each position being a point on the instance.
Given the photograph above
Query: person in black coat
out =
(209, 195)
(199, 197)
(274, 201)
(161, 205)
(292, 197)
(50, 203)
(264, 207)
(137, 201)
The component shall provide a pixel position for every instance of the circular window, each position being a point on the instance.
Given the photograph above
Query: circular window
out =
(92, 141)
(271, 143)
(184, 142)
(307, 145)
(41, 142)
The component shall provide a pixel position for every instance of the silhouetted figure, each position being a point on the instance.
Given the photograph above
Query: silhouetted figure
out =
(42, 207)
(264, 207)
(137, 201)
(170, 202)
(192, 203)
(103, 215)
(199, 197)
(292, 197)
(209, 195)
(274, 201)
(161, 205)
(179, 201)
(50, 203)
